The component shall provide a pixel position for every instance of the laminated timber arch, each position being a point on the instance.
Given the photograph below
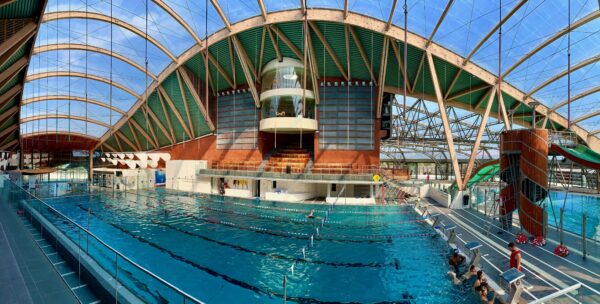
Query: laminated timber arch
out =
(54, 132)
(393, 33)
(90, 48)
(74, 98)
(64, 116)
(80, 75)
(101, 17)
(57, 140)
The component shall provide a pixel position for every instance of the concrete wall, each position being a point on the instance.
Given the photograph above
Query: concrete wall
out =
(182, 169)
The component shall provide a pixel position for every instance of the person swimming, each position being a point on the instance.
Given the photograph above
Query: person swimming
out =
(465, 277)
(484, 294)
(311, 214)
(480, 281)
(455, 261)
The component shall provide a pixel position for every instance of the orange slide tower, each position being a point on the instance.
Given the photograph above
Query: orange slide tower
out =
(524, 169)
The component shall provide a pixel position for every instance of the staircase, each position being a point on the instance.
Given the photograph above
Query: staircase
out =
(288, 160)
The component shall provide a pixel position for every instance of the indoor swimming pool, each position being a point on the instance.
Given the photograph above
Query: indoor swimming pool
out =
(574, 206)
(238, 250)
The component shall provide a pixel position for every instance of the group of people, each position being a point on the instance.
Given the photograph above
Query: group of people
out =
(476, 278)
(237, 184)
(240, 184)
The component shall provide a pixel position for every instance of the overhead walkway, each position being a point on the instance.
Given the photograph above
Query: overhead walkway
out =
(545, 273)
(579, 154)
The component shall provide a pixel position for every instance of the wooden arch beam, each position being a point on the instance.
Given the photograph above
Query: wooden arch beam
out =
(74, 98)
(64, 116)
(116, 84)
(89, 48)
(584, 20)
(103, 18)
(367, 23)
(56, 132)
(563, 73)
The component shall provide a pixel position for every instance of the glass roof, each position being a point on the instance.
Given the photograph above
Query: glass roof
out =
(466, 25)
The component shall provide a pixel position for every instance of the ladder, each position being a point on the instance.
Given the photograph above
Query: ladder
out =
(492, 215)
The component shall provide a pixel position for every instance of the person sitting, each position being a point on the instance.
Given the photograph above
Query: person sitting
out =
(481, 280)
(456, 260)
(484, 294)
(465, 277)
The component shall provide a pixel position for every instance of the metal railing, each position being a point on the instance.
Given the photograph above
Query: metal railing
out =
(171, 291)
(554, 296)
(563, 138)
(294, 176)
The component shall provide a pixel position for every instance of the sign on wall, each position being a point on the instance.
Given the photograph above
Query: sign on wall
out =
(4, 158)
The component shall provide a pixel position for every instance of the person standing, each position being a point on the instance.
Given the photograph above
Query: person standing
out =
(515, 256)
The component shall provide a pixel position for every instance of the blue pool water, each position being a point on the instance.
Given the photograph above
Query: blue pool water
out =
(574, 206)
(238, 251)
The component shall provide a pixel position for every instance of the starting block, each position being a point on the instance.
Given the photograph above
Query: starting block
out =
(514, 279)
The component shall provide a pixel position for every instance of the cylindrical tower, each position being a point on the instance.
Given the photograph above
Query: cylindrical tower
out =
(288, 106)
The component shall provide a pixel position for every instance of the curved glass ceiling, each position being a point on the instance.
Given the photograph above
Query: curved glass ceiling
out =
(468, 28)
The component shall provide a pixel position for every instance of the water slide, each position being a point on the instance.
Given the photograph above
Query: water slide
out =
(580, 154)
(484, 172)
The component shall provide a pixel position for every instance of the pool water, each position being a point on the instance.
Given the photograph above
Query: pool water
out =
(574, 206)
(238, 251)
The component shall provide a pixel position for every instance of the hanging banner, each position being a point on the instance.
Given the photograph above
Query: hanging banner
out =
(160, 178)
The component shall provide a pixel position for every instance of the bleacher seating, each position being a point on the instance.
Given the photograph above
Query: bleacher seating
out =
(247, 165)
(343, 168)
(293, 158)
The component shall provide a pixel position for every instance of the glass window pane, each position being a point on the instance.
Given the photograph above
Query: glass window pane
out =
(337, 4)
(66, 107)
(62, 125)
(194, 13)
(553, 58)
(531, 25)
(238, 10)
(124, 42)
(161, 26)
(467, 22)
(581, 107)
(581, 80)
(281, 5)
(96, 90)
(91, 63)
(379, 9)
(422, 16)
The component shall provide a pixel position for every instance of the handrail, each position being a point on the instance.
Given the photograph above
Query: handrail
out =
(557, 294)
(118, 253)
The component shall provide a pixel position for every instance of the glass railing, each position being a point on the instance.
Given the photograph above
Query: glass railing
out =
(364, 176)
(579, 218)
(130, 281)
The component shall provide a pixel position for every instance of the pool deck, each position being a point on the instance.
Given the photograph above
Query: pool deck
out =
(545, 273)
(26, 275)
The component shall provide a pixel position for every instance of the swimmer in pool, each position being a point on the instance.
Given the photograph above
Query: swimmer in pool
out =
(311, 214)
(465, 277)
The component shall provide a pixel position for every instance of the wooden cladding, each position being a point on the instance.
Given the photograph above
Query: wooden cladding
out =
(524, 167)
